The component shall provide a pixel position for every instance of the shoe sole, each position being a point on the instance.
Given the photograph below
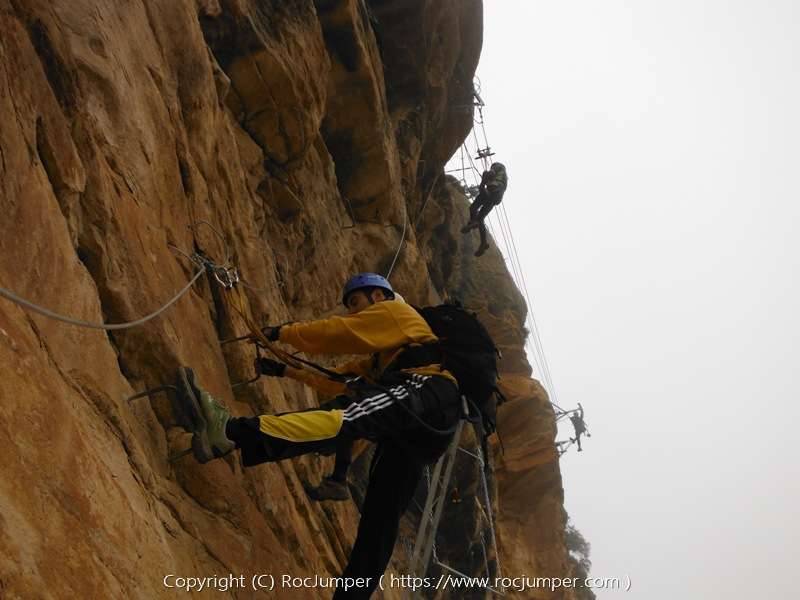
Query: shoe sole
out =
(191, 417)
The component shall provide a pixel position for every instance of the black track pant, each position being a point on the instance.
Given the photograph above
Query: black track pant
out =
(395, 416)
(480, 209)
(396, 411)
(394, 476)
(344, 458)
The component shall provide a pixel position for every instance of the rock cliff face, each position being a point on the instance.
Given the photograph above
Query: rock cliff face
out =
(312, 136)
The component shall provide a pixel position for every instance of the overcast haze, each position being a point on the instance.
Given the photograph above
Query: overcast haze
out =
(652, 151)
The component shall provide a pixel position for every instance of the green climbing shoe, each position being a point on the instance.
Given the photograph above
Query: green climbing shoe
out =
(208, 418)
(328, 489)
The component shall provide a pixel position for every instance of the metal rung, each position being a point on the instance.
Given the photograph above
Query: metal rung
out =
(155, 390)
(180, 454)
(236, 339)
(241, 383)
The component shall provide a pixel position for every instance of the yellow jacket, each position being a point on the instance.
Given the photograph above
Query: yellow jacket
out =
(382, 329)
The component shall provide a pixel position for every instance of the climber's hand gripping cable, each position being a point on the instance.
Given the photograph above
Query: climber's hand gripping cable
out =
(269, 367)
(272, 332)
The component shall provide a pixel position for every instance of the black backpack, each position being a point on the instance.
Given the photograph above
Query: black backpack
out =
(467, 350)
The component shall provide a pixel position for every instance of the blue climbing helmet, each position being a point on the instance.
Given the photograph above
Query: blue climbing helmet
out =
(366, 280)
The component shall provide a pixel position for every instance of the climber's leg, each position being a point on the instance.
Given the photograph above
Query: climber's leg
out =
(484, 244)
(373, 412)
(474, 212)
(394, 476)
(334, 486)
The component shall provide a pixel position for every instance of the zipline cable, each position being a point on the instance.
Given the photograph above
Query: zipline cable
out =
(503, 215)
(516, 270)
(513, 257)
(516, 267)
(535, 331)
(537, 350)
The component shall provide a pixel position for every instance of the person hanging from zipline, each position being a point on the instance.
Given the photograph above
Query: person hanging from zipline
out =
(580, 426)
(411, 412)
(490, 194)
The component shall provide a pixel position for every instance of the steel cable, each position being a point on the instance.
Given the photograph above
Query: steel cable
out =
(9, 295)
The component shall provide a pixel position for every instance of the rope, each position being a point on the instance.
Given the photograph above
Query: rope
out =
(9, 295)
(421, 211)
(488, 511)
(402, 241)
(258, 335)
(463, 166)
(228, 277)
(216, 231)
(261, 341)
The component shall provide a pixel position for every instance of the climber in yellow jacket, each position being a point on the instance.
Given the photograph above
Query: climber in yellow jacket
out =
(333, 486)
(411, 413)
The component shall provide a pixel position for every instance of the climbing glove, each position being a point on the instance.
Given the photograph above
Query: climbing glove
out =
(270, 368)
(272, 333)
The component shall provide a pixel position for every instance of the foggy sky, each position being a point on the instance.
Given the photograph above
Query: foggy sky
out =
(653, 152)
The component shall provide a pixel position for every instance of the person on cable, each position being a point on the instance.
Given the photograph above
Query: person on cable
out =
(580, 426)
(490, 194)
(411, 413)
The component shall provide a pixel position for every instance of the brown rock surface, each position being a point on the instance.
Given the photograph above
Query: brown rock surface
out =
(280, 122)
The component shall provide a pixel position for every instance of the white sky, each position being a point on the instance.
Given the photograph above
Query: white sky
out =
(653, 150)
